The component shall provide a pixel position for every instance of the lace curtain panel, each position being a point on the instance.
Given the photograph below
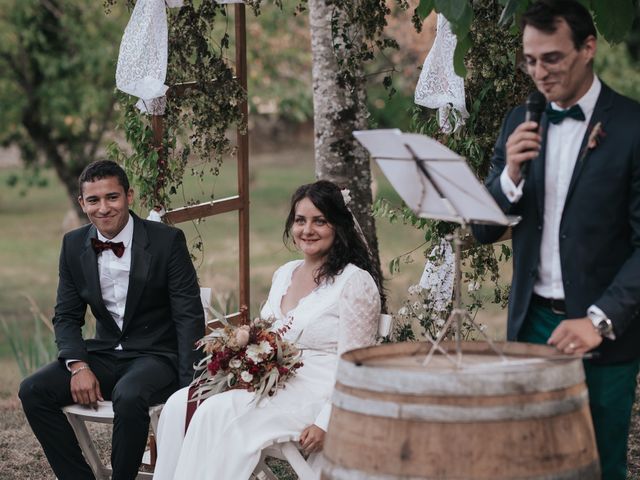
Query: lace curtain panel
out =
(438, 276)
(142, 61)
(438, 85)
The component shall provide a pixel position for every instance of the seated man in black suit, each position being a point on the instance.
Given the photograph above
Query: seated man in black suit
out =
(138, 279)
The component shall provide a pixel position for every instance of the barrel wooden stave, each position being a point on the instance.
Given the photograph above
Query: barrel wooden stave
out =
(536, 443)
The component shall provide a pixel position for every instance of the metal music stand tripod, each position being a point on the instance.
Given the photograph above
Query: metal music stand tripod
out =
(436, 183)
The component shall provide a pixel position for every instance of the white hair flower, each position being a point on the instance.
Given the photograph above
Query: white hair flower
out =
(346, 195)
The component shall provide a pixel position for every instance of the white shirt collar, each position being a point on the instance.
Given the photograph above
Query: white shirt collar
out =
(125, 235)
(588, 101)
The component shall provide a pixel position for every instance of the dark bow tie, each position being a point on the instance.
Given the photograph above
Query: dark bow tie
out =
(557, 116)
(99, 246)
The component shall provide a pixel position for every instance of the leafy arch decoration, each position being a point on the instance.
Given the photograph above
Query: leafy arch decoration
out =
(203, 102)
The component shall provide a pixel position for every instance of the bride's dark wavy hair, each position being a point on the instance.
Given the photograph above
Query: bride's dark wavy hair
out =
(348, 246)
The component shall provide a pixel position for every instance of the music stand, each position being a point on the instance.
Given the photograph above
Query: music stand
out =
(436, 183)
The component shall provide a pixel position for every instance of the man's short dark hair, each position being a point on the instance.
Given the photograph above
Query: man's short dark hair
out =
(544, 15)
(103, 169)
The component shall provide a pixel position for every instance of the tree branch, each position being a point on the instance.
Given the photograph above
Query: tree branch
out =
(11, 62)
(54, 10)
(102, 129)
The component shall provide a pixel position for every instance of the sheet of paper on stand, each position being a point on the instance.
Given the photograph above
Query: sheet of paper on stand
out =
(433, 181)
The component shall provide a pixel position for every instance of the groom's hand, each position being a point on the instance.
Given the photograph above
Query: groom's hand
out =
(85, 388)
(522, 146)
(575, 336)
(312, 439)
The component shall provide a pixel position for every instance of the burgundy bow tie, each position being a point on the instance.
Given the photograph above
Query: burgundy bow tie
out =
(99, 246)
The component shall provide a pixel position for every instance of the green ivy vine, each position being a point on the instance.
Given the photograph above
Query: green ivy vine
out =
(203, 103)
(492, 87)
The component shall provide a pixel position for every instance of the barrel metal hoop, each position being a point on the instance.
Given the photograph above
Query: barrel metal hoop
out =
(456, 413)
(554, 376)
(587, 472)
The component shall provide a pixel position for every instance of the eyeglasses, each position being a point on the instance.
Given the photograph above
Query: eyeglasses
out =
(551, 62)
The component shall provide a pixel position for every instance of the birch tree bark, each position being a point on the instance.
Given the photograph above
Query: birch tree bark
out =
(339, 109)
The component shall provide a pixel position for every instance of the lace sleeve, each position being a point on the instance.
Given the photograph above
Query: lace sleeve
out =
(359, 308)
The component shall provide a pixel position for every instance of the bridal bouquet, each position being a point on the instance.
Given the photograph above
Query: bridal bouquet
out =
(253, 357)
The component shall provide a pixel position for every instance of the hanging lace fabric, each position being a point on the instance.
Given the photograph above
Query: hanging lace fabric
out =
(142, 61)
(438, 85)
(438, 276)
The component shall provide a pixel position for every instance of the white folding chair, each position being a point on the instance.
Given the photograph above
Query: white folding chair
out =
(79, 414)
(290, 451)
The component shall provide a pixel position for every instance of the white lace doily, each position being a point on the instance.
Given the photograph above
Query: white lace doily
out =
(438, 274)
(142, 61)
(438, 85)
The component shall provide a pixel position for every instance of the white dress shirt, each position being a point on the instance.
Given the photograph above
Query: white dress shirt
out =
(114, 273)
(562, 150)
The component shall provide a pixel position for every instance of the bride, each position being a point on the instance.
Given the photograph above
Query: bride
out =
(332, 299)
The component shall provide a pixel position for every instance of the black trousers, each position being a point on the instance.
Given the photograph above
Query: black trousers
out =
(131, 382)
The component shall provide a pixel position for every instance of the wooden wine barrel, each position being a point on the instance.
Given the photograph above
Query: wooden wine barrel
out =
(526, 418)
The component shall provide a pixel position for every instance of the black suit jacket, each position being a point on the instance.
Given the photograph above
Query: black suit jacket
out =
(163, 314)
(599, 229)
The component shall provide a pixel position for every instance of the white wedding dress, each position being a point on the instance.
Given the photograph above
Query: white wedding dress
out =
(227, 432)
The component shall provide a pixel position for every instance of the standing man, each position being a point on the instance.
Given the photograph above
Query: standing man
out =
(138, 279)
(576, 277)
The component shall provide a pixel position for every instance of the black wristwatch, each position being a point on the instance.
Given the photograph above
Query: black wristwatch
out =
(601, 323)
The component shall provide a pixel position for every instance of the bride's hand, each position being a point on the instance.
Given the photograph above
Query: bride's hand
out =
(312, 439)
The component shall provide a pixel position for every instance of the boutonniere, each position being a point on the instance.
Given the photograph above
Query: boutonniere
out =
(597, 134)
(595, 137)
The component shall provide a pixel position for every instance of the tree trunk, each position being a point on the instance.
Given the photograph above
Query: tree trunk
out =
(338, 111)
(67, 172)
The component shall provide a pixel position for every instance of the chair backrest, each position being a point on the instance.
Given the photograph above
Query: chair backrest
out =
(384, 324)
(205, 298)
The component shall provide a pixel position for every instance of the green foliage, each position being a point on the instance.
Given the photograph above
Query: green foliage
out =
(492, 87)
(614, 23)
(37, 348)
(56, 82)
(202, 106)
(358, 35)
(279, 59)
(32, 352)
(615, 66)
(153, 179)
(512, 8)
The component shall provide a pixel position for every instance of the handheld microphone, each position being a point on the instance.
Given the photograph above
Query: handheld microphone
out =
(536, 103)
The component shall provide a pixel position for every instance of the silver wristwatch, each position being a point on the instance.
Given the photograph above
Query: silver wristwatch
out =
(601, 323)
